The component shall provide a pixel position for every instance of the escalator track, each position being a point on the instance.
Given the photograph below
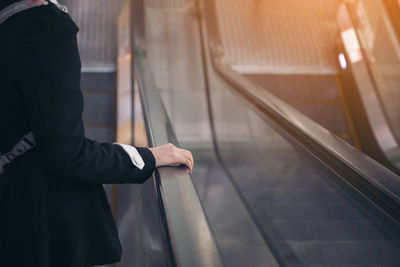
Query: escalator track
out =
(276, 189)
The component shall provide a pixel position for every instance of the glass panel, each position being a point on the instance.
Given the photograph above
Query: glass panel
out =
(136, 207)
(266, 199)
(382, 48)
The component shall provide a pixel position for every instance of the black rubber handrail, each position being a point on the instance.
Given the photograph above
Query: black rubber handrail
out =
(191, 241)
(376, 182)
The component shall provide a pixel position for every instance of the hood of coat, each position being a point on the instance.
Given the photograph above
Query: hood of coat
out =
(5, 3)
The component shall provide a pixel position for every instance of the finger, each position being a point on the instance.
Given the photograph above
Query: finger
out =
(187, 154)
(184, 157)
(188, 164)
(189, 160)
(186, 161)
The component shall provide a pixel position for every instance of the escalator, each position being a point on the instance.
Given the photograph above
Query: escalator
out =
(270, 186)
(369, 45)
(288, 48)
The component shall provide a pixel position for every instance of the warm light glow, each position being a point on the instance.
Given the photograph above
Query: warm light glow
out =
(342, 61)
(352, 45)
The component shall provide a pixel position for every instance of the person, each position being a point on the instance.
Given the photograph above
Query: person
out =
(53, 208)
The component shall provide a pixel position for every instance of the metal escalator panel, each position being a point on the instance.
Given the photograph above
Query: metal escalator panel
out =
(287, 47)
(278, 36)
(267, 200)
(372, 48)
(304, 212)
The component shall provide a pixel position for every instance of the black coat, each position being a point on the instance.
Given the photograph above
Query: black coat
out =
(54, 211)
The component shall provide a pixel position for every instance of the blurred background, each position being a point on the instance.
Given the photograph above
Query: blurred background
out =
(97, 38)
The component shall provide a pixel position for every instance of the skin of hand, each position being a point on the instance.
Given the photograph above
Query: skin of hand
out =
(169, 154)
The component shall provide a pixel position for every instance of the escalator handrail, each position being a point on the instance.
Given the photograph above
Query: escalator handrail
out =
(375, 181)
(190, 238)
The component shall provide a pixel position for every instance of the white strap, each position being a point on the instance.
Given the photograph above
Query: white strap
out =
(134, 155)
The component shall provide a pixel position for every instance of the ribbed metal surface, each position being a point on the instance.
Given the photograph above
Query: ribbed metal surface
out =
(97, 20)
(279, 36)
(168, 3)
(97, 40)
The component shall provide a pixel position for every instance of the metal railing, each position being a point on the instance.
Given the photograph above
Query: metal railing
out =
(190, 238)
(376, 182)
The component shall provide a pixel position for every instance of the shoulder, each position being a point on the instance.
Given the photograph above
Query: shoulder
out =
(45, 23)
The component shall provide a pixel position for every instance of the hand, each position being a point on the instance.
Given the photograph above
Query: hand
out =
(169, 154)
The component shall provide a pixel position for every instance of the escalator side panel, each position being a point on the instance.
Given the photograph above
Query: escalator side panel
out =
(320, 221)
(176, 64)
(374, 64)
(267, 199)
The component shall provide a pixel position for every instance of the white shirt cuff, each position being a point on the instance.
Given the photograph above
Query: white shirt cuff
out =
(134, 155)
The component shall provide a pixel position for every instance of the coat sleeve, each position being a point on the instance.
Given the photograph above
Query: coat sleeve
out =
(49, 78)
